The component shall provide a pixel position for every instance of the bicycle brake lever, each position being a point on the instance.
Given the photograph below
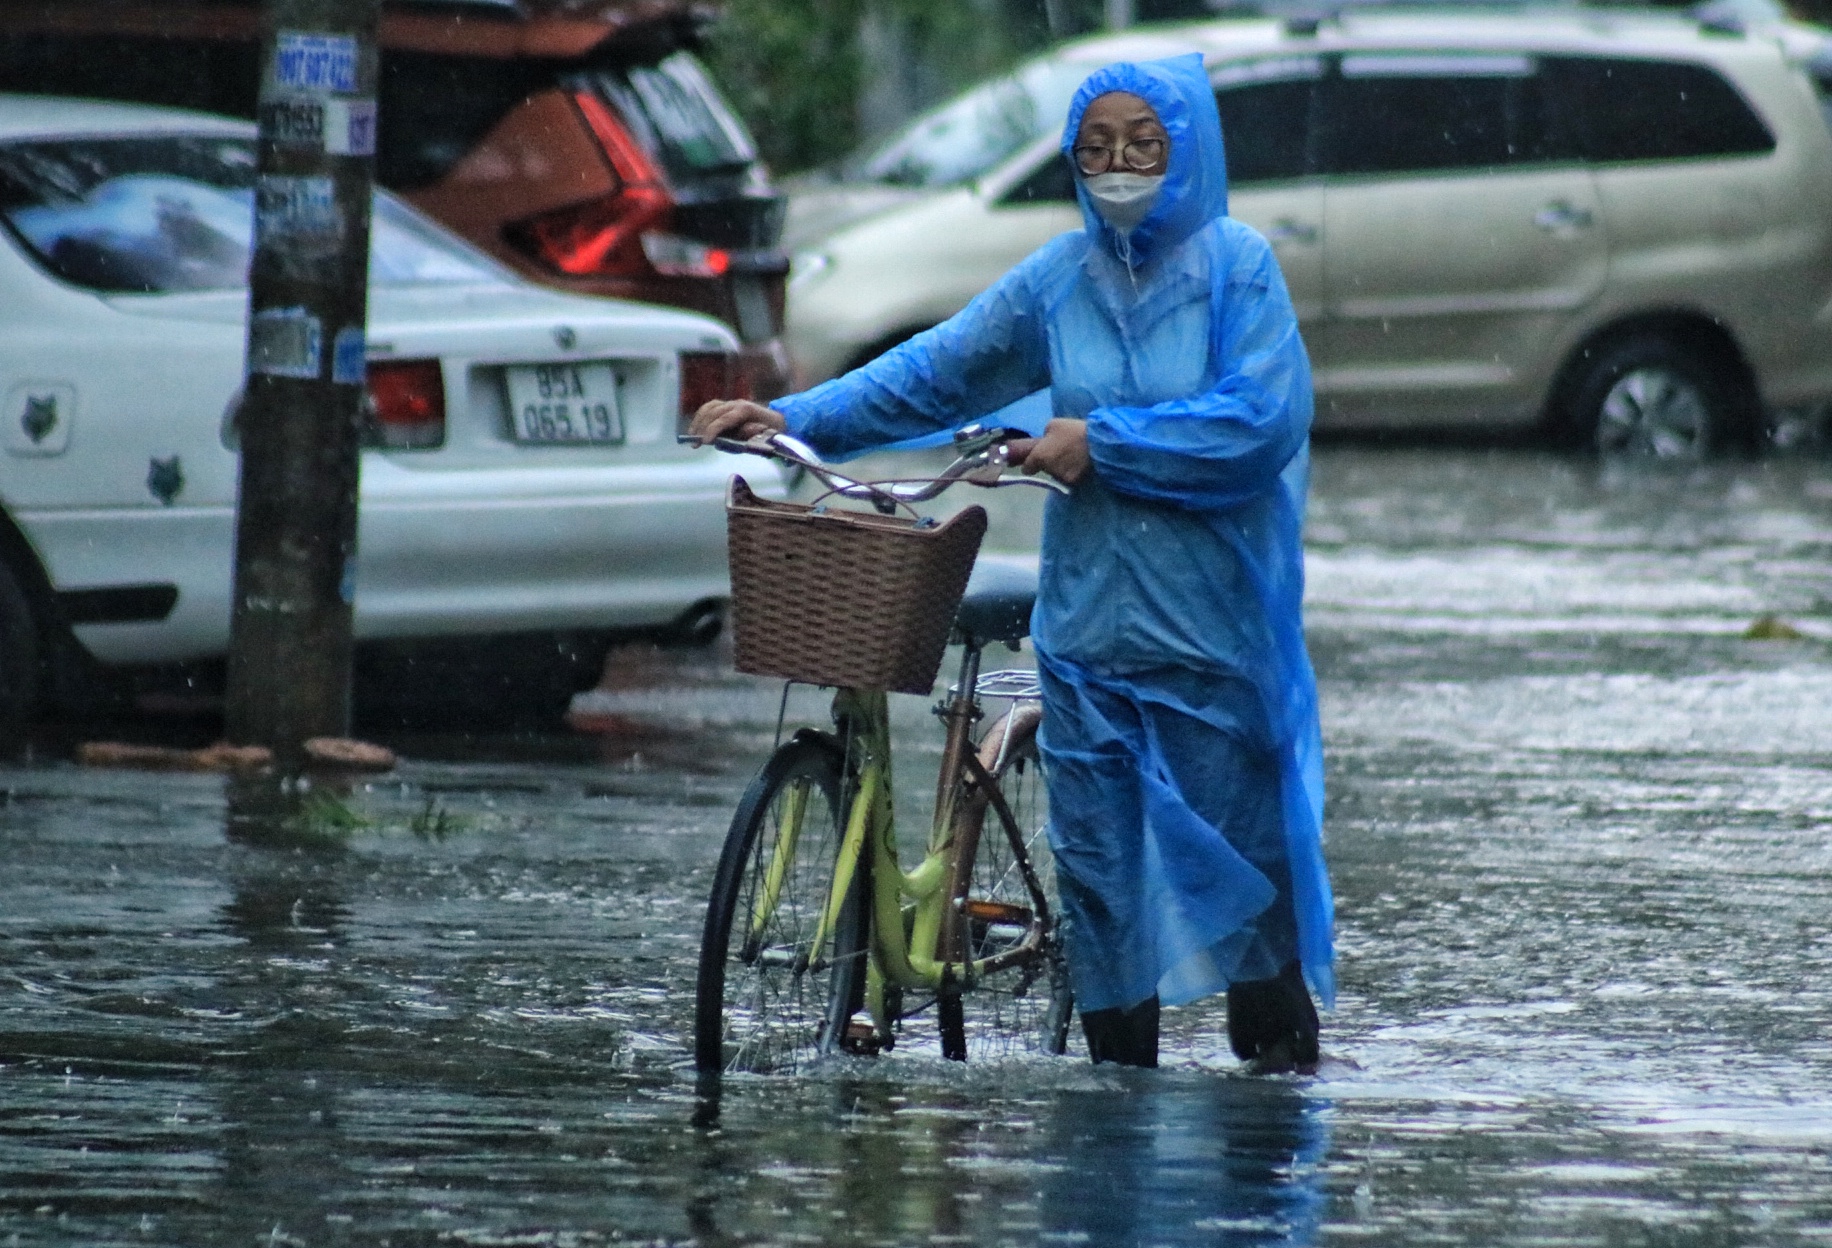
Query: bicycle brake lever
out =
(993, 461)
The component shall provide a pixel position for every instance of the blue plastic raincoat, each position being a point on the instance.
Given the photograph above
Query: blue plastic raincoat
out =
(1180, 728)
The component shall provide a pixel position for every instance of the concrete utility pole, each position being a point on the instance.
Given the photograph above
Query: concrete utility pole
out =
(295, 542)
(1120, 13)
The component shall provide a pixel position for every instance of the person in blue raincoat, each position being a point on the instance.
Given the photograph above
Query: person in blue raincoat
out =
(1180, 734)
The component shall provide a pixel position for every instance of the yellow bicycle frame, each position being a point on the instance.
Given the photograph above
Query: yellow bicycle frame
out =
(909, 908)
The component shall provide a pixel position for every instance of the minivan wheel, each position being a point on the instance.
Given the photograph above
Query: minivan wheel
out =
(1647, 398)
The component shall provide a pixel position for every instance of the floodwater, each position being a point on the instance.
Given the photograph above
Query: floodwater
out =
(1581, 834)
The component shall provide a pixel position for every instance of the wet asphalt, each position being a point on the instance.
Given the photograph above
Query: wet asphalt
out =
(1580, 829)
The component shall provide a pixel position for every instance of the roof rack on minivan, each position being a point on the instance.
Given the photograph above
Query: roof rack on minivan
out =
(613, 12)
(1306, 25)
(1724, 24)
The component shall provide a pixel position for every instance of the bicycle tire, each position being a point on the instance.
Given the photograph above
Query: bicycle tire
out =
(770, 1005)
(1020, 1009)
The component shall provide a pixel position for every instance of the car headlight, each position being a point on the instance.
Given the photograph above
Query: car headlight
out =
(808, 267)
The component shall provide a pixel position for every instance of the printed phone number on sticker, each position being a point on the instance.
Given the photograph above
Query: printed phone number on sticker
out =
(340, 127)
(298, 123)
(312, 62)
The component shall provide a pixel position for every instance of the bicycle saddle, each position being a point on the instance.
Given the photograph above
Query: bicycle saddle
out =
(998, 601)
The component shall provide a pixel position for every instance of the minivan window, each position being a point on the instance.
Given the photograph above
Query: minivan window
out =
(175, 213)
(1820, 70)
(974, 132)
(1052, 182)
(676, 108)
(1265, 117)
(1656, 110)
(1418, 113)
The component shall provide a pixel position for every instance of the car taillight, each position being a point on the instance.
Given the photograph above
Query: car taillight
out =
(709, 375)
(674, 256)
(405, 405)
(601, 238)
(606, 237)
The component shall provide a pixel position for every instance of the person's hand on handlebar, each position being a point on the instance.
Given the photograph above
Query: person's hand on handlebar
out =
(734, 418)
(1062, 451)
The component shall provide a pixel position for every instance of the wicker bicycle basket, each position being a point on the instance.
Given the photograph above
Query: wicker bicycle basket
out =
(844, 597)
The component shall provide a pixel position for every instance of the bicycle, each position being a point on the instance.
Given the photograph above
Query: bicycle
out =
(817, 940)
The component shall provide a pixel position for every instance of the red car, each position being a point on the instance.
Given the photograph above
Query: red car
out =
(581, 142)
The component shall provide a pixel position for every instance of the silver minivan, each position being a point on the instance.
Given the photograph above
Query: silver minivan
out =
(1608, 225)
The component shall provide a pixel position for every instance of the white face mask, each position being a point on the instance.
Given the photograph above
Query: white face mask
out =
(1123, 199)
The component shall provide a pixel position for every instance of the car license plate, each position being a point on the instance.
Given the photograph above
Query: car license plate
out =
(565, 403)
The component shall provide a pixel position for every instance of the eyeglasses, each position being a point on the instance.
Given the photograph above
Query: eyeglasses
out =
(1136, 155)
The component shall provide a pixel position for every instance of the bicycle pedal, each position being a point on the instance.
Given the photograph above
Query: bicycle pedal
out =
(861, 1038)
(997, 912)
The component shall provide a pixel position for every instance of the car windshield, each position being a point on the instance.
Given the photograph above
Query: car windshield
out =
(1821, 71)
(154, 215)
(974, 132)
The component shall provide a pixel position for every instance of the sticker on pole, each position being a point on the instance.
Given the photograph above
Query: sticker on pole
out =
(286, 342)
(338, 127)
(288, 208)
(300, 229)
(349, 127)
(293, 122)
(322, 64)
(349, 362)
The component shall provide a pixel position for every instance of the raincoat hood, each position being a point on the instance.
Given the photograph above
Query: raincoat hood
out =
(1195, 189)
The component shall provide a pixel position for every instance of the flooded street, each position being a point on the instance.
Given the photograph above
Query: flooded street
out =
(1580, 830)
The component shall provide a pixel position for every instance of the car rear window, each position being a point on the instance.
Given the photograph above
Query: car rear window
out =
(435, 109)
(1656, 110)
(679, 115)
(172, 213)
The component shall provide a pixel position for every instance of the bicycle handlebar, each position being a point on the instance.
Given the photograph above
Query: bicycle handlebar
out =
(982, 458)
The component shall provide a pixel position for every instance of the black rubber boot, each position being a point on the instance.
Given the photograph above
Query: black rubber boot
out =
(1125, 1037)
(1272, 1024)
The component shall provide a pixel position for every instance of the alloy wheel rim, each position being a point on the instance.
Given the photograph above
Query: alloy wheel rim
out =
(1654, 413)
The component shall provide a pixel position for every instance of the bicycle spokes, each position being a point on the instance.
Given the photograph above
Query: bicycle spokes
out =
(776, 983)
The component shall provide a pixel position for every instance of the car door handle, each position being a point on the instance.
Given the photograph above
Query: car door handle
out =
(1561, 217)
(1291, 230)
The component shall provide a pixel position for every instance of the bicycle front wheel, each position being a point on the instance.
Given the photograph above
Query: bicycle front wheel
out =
(1004, 880)
(774, 992)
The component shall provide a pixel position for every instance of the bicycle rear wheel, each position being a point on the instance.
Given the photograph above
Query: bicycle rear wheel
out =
(768, 1000)
(1024, 1008)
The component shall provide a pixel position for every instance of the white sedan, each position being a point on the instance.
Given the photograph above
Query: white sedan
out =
(521, 475)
